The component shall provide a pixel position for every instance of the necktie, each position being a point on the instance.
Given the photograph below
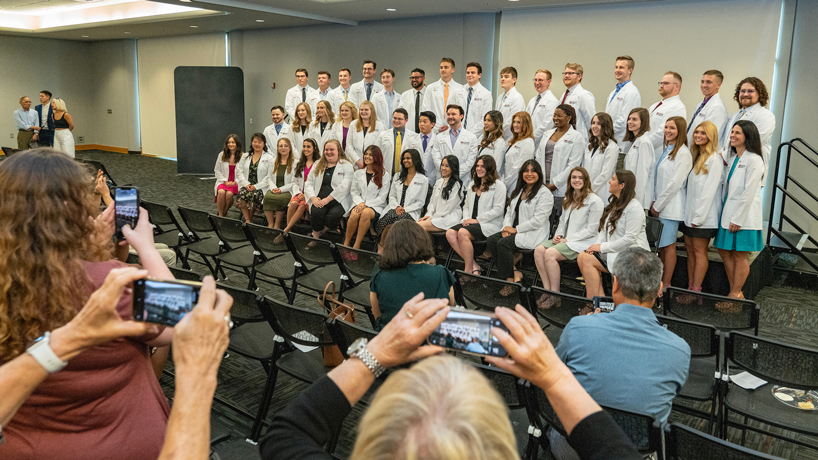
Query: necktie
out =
(445, 94)
(303, 94)
(564, 96)
(503, 101)
(741, 113)
(368, 91)
(536, 104)
(701, 106)
(397, 152)
(278, 129)
(346, 91)
(417, 111)
(468, 103)
(425, 141)
(657, 106)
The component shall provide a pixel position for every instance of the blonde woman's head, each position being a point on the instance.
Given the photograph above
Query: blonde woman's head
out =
(59, 104)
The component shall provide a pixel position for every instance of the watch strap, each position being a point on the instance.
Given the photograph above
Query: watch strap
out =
(41, 351)
(370, 361)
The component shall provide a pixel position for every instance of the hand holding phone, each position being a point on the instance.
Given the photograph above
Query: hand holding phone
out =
(469, 331)
(126, 204)
(164, 302)
(605, 304)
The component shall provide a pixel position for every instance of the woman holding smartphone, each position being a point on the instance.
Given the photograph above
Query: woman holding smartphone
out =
(370, 191)
(640, 158)
(444, 210)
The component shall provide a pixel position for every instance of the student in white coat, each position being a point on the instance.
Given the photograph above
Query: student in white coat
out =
(456, 141)
(279, 129)
(298, 93)
(406, 196)
(624, 98)
(520, 149)
(323, 92)
(752, 97)
(576, 231)
(563, 149)
(363, 132)
(668, 191)
(395, 141)
(444, 210)
(541, 107)
(741, 219)
(298, 204)
(412, 100)
(670, 106)
(482, 212)
(280, 182)
(300, 126)
(328, 188)
(621, 226)
(712, 108)
(493, 143)
(703, 201)
(525, 224)
(341, 92)
(321, 128)
(578, 97)
(477, 99)
(347, 114)
(424, 143)
(366, 88)
(252, 177)
(225, 171)
(640, 158)
(510, 101)
(444, 92)
(387, 100)
(601, 154)
(370, 191)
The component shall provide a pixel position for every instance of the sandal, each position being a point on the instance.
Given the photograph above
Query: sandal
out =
(507, 291)
(521, 276)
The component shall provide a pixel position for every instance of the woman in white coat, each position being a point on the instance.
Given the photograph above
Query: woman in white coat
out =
(252, 177)
(363, 132)
(621, 226)
(668, 191)
(562, 151)
(225, 170)
(740, 227)
(407, 195)
(281, 183)
(444, 210)
(601, 154)
(298, 204)
(525, 224)
(640, 158)
(703, 201)
(321, 128)
(328, 189)
(347, 114)
(520, 148)
(577, 230)
(482, 213)
(370, 191)
(493, 142)
(300, 127)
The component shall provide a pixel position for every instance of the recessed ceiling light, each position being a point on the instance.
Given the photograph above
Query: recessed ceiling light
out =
(259, 20)
(194, 27)
(127, 33)
(186, 1)
(85, 36)
(391, 9)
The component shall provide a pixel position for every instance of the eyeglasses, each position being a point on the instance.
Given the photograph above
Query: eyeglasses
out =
(415, 78)
(665, 83)
(570, 73)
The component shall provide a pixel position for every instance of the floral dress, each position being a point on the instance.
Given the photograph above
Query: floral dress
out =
(251, 200)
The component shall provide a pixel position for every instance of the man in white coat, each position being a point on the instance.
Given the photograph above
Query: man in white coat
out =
(298, 93)
(578, 97)
(510, 101)
(412, 100)
(669, 106)
(456, 141)
(624, 98)
(397, 139)
(712, 108)
(387, 100)
(541, 107)
(752, 97)
(366, 88)
(478, 100)
(424, 142)
(443, 92)
(323, 93)
(341, 93)
(277, 130)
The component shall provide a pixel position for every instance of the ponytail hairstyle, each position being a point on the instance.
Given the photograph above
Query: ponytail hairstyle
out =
(454, 167)
(616, 205)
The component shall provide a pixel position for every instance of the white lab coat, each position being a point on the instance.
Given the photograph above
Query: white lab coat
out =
(714, 111)
(433, 99)
(386, 142)
(315, 133)
(341, 184)
(542, 116)
(370, 194)
(582, 223)
(337, 98)
(293, 98)
(671, 107)
(290, 185)
(415, 195)
(619, 106)
(298, 182)
(704, 198)
(629, 232)
(445, 214)
(640, 160)
(584, 104)
(265, 164)
(479, 106)
(407, 102)
(222, 171)
(382, 106)
(489, 209)
(765, 123)
(568, 153)
(315, 96)
(532, 227)
(357, 93)
(358, 142)
(497, 150)
(508, 104)
(426, 154)
(668, 196)
(516, 155)
(743, 192)
(272, 138)
(297, 139)
(465, 149)
(601, 167)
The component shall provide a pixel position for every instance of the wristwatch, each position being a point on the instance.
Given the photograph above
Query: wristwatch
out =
(42, 352)
(358, 350)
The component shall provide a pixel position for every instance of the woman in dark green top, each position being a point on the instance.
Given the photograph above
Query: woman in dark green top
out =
(403, 272)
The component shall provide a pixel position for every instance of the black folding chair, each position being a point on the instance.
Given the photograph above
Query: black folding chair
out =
(187, 275)
(273, 257)
(557, 309)
(316, 264)
(166, 229)
(653, 232)
(484, 293)
(237, 252)
(357, 266)
(685, 443)
(202, 237)
(724, 313)
(345, 333)
(644, 430)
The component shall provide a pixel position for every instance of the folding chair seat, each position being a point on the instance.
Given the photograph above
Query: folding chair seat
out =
(685, 443)
(484, 293)
(237, 251)
(202, 237)
(316, 264)
(274, 259)
(166, 229)
(724, 313)
(357, 265)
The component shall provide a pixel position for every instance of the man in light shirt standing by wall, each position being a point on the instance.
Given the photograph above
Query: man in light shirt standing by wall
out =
(541, 107)
(27, 123)
(624, 98)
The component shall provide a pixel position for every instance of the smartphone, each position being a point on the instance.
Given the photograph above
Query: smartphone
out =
(164, 302)
(126, 208)
(605, 304)
(469, 331)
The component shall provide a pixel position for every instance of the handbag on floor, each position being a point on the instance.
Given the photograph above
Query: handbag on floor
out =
(340, 312)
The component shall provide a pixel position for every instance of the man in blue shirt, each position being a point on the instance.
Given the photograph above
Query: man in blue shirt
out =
(27, 123)
(625, 359)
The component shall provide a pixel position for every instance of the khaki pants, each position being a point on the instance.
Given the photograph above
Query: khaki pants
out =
(24, 139)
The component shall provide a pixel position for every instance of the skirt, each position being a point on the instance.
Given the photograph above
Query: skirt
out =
(563, 249)
(670, 229)
(274, 202)
(390, 218)
(704, 233)
(474, 229)
(234, 189)
(299, 200)
(251, 200)
(742, 240)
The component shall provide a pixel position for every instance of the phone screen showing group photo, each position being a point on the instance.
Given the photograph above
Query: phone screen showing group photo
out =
(126, 204)
(162, 302)
(469, 332)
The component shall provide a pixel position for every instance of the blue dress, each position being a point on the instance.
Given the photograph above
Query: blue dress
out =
(742, 240)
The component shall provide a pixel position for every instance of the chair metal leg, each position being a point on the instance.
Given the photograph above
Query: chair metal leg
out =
(266, 398)
(285, 288)
(449, 257)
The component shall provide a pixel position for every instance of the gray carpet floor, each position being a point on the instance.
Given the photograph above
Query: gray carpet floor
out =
(789, 312)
